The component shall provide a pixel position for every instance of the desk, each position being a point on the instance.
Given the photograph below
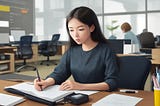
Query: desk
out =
(156, 56)
(7, 49)
(155, 59)
(146, 95)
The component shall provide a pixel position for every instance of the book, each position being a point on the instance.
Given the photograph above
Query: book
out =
(48, 96)
(10, 100)
(118, 100)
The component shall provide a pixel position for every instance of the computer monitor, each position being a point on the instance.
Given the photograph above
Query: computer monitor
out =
(17, 34)
(116, 45)
(11, 38)
(120, 46)
(4, 39)
(128, 46)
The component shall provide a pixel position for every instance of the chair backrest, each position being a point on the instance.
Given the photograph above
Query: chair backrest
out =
(55, 37)
(26, 40)
(147, 40)
(158, 40)
(133, 72)
(25, 47)
(52, 45)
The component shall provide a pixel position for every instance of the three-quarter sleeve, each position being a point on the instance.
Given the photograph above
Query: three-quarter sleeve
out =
(111, 70)
(62, 71)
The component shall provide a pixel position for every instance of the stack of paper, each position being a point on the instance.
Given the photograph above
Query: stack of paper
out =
(118, 100)
(9, 100)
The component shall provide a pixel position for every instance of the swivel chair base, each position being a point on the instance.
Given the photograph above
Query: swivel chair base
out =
(25, 66)
(47, 63)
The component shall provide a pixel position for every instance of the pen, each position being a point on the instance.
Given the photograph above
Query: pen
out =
(39, 79)
(129, 91)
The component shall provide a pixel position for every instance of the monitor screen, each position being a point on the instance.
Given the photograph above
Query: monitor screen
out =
(119, 45)
(4, 38)
(116, 45)
(17, 34)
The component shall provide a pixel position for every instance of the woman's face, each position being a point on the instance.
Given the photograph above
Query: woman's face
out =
(80, 32)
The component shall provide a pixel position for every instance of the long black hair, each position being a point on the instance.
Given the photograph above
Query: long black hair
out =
(88, 17)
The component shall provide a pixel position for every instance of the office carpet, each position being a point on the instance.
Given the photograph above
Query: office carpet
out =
(44, 70)
(16, 77)
(29, 74)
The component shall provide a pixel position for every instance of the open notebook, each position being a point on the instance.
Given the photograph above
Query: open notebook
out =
(9, 100)
(48, 96)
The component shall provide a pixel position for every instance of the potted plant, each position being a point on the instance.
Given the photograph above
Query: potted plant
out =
(111, 28)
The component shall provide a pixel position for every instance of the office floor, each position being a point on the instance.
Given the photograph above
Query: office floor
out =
(45, 70)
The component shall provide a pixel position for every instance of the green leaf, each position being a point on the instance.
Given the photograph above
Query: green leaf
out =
(114, 21)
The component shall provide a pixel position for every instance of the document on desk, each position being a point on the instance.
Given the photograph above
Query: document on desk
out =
(118, 100)
(51, 94)
(9, 100)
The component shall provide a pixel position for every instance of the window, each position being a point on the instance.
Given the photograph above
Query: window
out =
(50, 15)
(114, 6)
(137, 22)
(153, 4)
(153, 25)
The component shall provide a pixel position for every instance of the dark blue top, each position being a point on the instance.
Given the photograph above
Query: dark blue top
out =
(94, 66)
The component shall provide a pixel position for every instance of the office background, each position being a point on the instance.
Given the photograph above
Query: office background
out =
(16, 15)
(141, 14)
(46, 17)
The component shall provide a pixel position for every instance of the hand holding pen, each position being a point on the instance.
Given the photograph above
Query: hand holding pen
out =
(39, 79)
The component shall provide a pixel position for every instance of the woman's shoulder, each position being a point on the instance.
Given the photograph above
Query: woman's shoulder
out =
(130, 33)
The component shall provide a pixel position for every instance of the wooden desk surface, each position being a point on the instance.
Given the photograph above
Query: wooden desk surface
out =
(7, 47)
(147, 96)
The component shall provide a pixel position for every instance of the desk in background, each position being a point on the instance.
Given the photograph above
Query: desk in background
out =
(147, 96)
(155, 59)
(8, 51)
(63, 46)
(156, 56)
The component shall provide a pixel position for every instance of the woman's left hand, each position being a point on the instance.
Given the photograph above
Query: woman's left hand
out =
(70, 85)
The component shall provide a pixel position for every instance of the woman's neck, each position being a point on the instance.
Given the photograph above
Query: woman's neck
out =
(89, 45)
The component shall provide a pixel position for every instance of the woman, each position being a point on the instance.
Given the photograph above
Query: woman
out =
(88, 59)
(128, 34)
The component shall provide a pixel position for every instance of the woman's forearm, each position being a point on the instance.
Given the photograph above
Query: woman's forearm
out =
(50, 81)
(95, 86)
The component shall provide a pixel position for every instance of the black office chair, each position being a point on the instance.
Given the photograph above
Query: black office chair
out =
(49, 48)
(134, 71)
(157, 40)
(24, 51)
(147, 42)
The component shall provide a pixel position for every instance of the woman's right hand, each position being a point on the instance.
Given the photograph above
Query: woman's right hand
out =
(42, 84)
